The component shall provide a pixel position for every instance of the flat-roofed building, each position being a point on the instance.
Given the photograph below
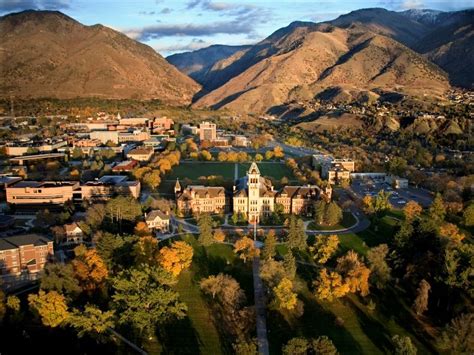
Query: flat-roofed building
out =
(134, 121)
(141, 154)
(37, 193)
(24, 253)
(22, 148)
(107, 187)
(105, 136)
(207, 131)
(25, 159)
(135, 136)
(161, 124)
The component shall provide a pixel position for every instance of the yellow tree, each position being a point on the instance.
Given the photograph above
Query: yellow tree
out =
(245, 248)
(412, 210)
(177, 257)
(278, 152)
(368, 204)
(324, 247)
(142, 230)
(330, 286)
(51, 307)
(451, 232)
(90, 270)
(219, 236)
(355, 273)
(285, 298)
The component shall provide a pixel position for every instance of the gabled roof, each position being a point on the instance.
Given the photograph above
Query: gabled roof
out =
(156, 213)
(254, 169)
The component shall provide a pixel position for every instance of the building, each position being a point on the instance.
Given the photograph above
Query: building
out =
(241, 141)
(22, 148)
(333, 170)
(105, 136)
(207, 131)
(197, 199)
(24, 253)
(141, 154)
(106, 187)
(40, 193)
(161, 125)
(399, 183)
(134, 136)
(125, 166)
(337, 173)
(157, 220)
(73, 234)
(253, 195)
(299, 199)
(25, 159)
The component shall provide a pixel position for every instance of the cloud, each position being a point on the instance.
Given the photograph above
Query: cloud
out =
(193, 45)
(412, 4)
(147, 13)
(166, 10)
(19, 5)
(194, 30)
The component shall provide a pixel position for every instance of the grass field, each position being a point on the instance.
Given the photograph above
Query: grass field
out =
(348, 220)
(195, 170)
(275, 170)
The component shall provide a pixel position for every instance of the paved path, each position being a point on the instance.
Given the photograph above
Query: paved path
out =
(259, 296)
(236, 171)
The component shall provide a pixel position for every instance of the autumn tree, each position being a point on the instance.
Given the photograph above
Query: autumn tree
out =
(412, 210)
(242, 347)
(272, 272)
(421, 301)
(51, 307)
(289, 263)
(354, 272)
(205, 230)
(324, 247)
(219, 236)
(269, 247)
(332, 214)
(91, 321)
(176, 257)
(380, 271)
(330, 285)
(246, 249)
(285, 297)
(468, 215)
(403, 345)
(458, 335)
(145, 251)
(141, 229)
(451, 233)
(143, 298)
(296, 238)
(296, 346)
(437, 210)
(89, 269)
(60, 278)
(152, 179)
(322, 345)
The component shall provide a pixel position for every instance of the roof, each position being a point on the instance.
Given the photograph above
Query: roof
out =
(201, 191)
(141, 151)
(71, 227)
(254, 169)
(16, 241)
(156, 213)
(300, 191)
(26, 183)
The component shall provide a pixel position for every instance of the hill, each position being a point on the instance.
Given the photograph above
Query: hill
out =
(48, 54)
(329, 62)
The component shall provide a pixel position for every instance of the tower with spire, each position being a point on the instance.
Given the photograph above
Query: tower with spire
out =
(253, 186)
(177, 187)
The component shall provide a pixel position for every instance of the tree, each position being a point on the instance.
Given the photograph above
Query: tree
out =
(285, 298)
(380, 271)
(89, 269)
(123, 208)
(451, 232)
(278, 152)
(296, 346)
(242, 347)
(95, 215)
(421, 301)
(269, 248)
(368, 204)
(354, 272)
(205, 155)
(205, 230)
(323, 346)
(324, 247)
(268, 155)
(458, 335)
(272, 272)
(468, 215)
(219, 236)
(51, 307)
(330, 286)
(403, 345)
(319, 211)
(235, 218)
(381, 202)
(245, 248)
(142, 230)
(333, 214)
(60, 278)
(91, 321)
(258, 157)
(176, 258)
(222, 156)
(412, 210)
(152, 179)
(289, 263)
(296, 234)
(143, 298)
(145, 251)
(106, 245)
(437, 210)
(13, 303)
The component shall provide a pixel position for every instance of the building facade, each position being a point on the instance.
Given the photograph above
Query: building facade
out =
(196, 199)
(207, 131)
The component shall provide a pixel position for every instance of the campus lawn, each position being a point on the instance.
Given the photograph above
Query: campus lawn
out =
(348, 220)
(194, 170)
(276, 170)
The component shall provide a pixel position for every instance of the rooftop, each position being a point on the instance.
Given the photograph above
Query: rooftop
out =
(17, 241)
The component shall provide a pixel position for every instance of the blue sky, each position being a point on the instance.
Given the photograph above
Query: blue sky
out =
(172, 26)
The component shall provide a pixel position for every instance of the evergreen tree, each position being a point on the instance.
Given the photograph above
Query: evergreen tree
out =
(269, 250)
(296, 234)
(205, 230)
(289, 263)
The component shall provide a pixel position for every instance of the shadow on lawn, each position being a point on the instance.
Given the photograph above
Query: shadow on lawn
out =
(179, 338)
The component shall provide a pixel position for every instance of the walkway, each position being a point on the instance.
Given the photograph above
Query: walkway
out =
(236, 171)
(259, 296)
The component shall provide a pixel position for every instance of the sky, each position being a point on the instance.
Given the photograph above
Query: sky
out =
(173, 26)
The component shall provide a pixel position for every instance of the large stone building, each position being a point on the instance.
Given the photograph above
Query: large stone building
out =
(207, 131)
(252, 196)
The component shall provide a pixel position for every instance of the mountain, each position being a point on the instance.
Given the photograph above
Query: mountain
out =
(330, 63)
(397, 25)
(426, 17)
(451, 46)
(48, 54)
(197, 63)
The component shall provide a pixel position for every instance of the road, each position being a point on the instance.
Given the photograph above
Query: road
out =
(259, 296)
(296, 151)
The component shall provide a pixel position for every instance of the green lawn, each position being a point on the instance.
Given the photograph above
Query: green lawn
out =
(276, 170)
(348, 220)
(194, 170)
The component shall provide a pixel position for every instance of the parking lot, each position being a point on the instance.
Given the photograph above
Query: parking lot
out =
(398, 197)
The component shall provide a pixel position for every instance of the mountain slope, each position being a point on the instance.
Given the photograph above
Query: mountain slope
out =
(197, 63)
(352, 61)
(451, 46)
(48, 54)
